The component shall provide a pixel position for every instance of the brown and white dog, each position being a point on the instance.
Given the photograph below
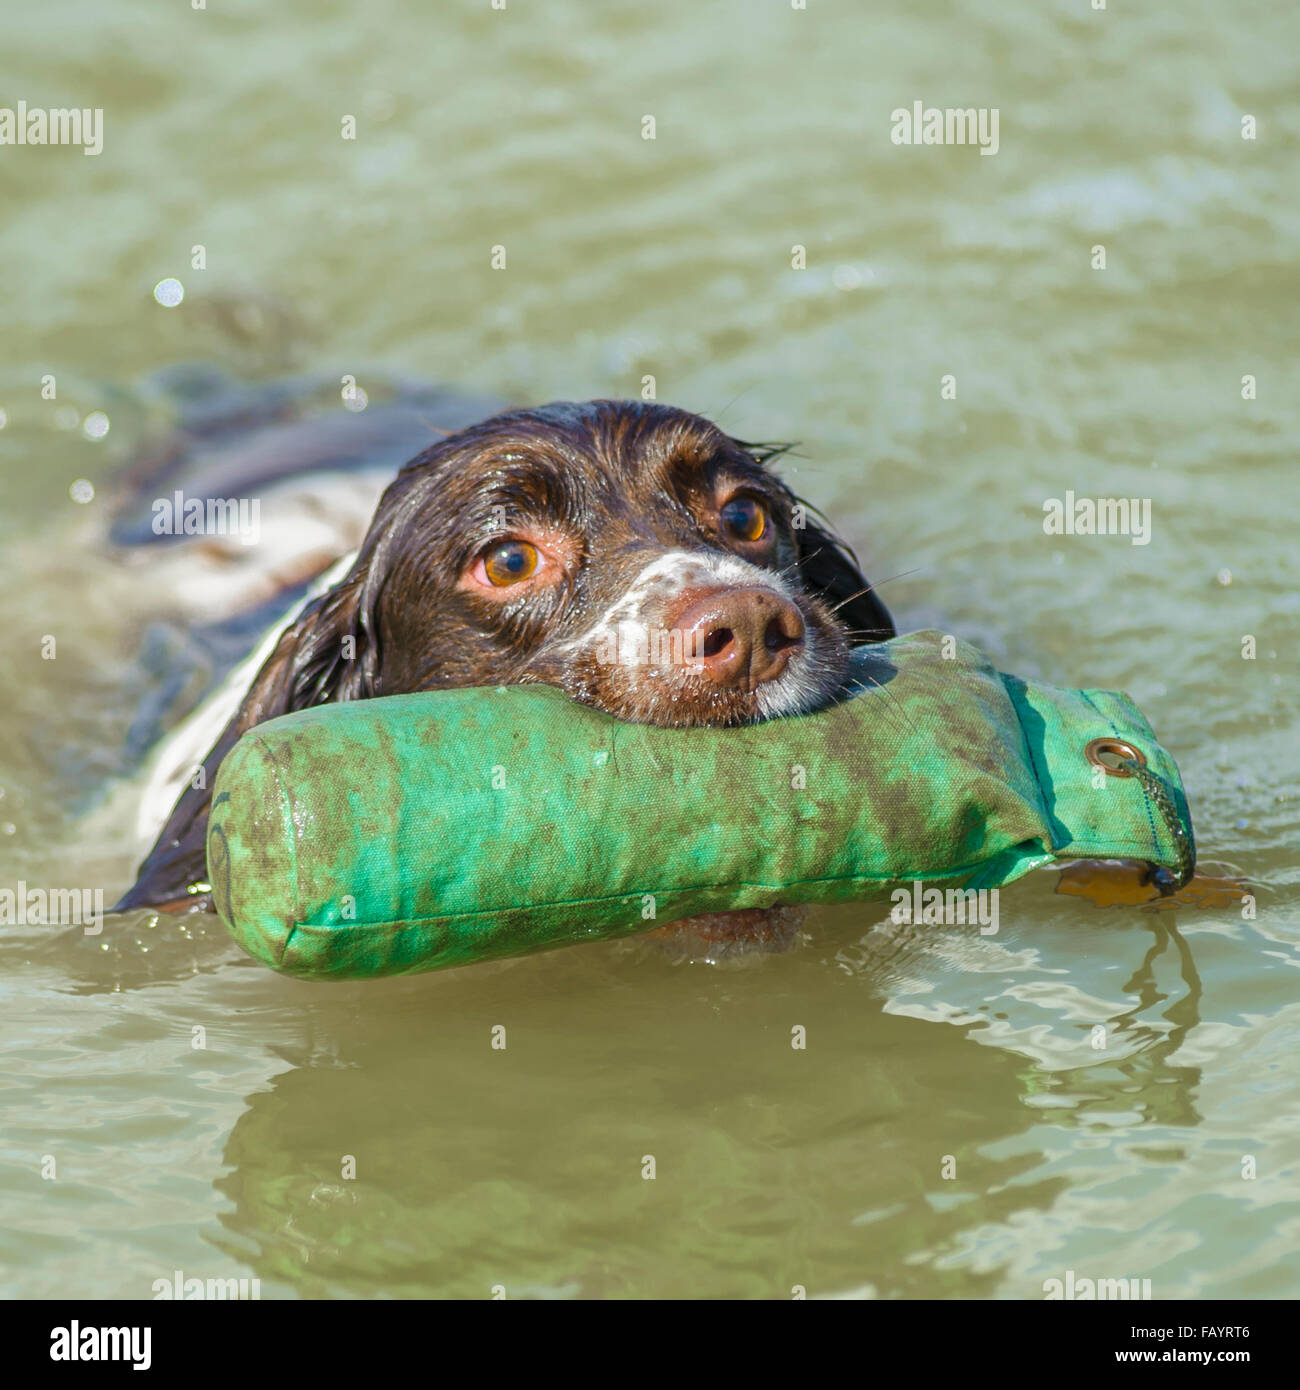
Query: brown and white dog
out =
(631, 554)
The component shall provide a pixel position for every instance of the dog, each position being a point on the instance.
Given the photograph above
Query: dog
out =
(629, 553)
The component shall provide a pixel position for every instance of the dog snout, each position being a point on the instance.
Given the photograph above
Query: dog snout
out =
(739, 638)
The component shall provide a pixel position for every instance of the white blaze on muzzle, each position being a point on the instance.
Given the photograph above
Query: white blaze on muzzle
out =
(628, 633)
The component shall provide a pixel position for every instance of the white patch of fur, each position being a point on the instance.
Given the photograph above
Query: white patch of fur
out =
(795, 691)
(625, 629)
(625, 620)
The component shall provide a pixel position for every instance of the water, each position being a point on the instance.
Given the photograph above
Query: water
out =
(672, 258)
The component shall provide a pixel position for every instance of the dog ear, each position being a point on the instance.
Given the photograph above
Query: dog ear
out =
(827, 567)
(173, 871)
(830, 569)
(330, 652)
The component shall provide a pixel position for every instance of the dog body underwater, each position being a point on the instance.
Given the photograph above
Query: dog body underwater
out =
(629, 553)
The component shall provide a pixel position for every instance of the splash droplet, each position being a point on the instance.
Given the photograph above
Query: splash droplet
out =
(848, 277)
(169, 293)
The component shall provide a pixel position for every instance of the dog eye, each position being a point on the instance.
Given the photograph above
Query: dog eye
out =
(745, 519)
(510, 562)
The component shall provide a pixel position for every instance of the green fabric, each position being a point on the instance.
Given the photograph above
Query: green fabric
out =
(415, 832)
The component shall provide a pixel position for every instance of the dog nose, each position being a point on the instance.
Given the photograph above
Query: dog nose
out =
(740, 637)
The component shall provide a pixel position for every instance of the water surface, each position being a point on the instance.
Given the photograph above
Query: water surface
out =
(671, 258)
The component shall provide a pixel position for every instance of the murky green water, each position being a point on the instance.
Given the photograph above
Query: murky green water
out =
(672, 258)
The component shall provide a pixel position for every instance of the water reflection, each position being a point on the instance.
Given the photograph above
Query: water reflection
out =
(477, 1167)
(1165, 1092)
(1099, 1057)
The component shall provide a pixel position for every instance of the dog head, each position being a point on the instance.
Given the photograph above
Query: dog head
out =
(631, 554)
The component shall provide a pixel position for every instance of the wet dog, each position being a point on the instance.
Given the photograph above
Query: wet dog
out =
(631, 554)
